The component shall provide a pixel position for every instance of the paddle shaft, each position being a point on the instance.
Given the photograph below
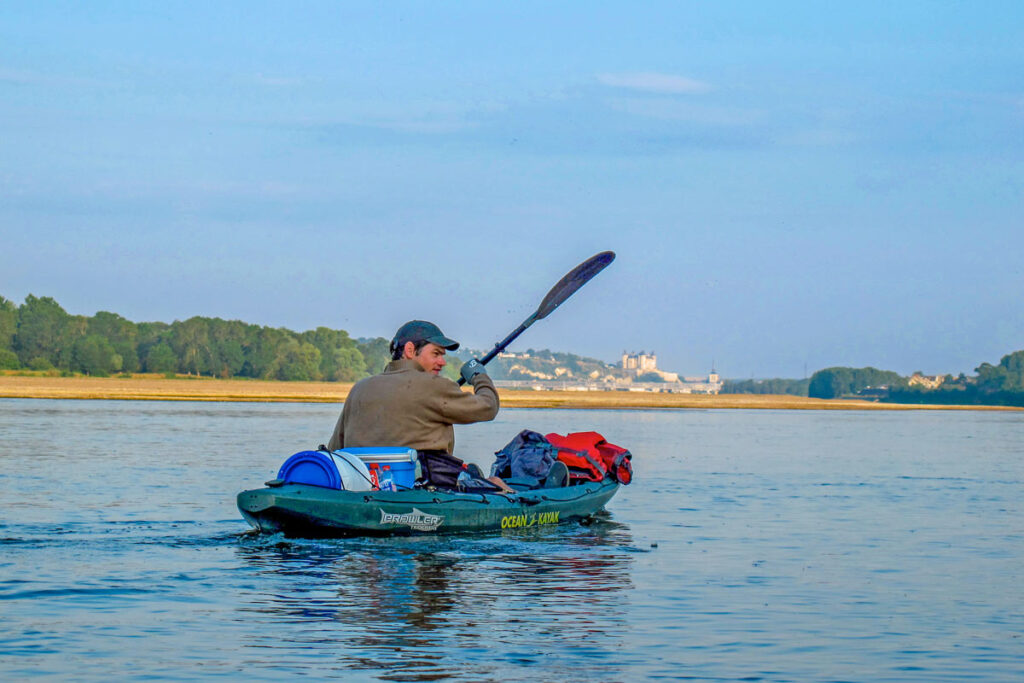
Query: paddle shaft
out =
(565, 288)
(503, 344)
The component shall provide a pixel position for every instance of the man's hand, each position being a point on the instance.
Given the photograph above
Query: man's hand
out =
(471, 369)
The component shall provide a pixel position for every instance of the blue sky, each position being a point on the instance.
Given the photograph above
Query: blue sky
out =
(788, 186)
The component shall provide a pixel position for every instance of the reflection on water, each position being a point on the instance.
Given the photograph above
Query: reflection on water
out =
(452, 607)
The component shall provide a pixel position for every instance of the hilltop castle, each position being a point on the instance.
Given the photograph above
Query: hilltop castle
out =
(636, 372)
(644, 363)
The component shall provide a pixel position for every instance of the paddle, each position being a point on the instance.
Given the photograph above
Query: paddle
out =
(563, 289)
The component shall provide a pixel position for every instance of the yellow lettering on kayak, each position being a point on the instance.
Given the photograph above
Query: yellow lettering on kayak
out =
(519, 521)
(547, 518)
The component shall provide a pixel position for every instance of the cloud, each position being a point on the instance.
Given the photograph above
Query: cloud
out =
(656, 83)
(571, 125)
(685, 111)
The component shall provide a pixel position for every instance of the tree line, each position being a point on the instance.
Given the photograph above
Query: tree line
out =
(41, 335)
(792, 387)
(841, 381)
(1001, 384)
(994, 385)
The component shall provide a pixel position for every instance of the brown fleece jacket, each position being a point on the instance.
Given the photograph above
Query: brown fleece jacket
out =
(409, 407)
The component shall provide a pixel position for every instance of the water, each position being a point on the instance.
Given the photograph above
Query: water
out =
(753, 545)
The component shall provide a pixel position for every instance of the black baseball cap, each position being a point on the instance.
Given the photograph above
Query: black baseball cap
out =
(421, 330)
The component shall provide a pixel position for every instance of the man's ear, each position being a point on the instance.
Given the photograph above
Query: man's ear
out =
(409, 350)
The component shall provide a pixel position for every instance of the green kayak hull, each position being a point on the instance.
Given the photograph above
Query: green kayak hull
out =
(307, 511)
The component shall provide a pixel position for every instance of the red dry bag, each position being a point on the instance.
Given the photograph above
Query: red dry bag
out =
(590, 458)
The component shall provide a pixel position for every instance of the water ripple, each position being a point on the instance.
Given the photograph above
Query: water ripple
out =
(752, 546)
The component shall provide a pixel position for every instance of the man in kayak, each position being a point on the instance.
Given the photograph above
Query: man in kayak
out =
(412, 406)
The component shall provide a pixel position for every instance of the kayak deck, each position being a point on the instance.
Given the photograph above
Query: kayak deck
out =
(313, 511)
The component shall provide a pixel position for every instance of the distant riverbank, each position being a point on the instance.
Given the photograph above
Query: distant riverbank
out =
(158, 388)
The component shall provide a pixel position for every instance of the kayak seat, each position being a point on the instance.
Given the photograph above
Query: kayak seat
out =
(522, 483)
(558, 476)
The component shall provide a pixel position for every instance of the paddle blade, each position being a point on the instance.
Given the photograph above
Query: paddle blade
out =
(576, 278)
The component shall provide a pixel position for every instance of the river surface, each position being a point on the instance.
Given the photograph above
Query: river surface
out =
(753, 545)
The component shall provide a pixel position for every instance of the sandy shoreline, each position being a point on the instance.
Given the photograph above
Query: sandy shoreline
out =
(152, 388)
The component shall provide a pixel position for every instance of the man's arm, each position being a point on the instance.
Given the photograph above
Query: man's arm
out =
(458, 407)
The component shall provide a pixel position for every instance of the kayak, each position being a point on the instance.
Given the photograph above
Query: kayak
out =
(304, 510)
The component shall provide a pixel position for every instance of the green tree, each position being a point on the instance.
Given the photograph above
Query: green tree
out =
(829, 383)
(991, 377)
(296, 361)
(1007, 376)
(230, 357)
(147, 336)
(375, 354)
(192, 345)
(261, 350)
(841, 381)
(340, 358)
(1014, 366)
(40, 363)
(793, 387)
(9, 360)
(43, 328)
(122, 335)
(344, 364)
(160, 358)
(8, 323)
(94, 355)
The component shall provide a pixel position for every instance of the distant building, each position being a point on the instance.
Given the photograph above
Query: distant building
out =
(639, 362)
(644, 363)
(934, 382)
(637, 368)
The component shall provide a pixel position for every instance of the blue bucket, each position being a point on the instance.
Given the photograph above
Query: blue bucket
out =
(315, 468)
(338, 470)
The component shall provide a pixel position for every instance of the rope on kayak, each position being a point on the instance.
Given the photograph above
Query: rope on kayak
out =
(528, 500)
(438, 501)
(568, 500)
